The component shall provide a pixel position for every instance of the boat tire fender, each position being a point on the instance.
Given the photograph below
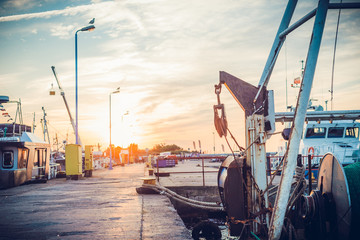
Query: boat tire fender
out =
(206, 230)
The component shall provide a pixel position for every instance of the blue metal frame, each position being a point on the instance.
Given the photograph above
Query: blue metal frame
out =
(284, 30)
(303, 99)
(344, 5)
(282, 196)
(274, 52)
(298, 23)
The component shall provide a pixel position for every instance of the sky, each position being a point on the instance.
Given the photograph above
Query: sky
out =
(165, 56)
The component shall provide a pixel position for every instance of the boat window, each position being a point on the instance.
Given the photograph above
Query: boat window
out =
(352, 132)
(336, 132)
(23, 158)
(38, 157)
(316, 132)
(40, 160)
(8, 159)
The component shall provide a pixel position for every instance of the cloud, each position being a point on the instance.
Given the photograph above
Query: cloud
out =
(165, 56)
(62, 31)
(48, 14)
(18, 4)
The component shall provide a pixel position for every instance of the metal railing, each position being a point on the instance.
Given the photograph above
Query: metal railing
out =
(158, 173)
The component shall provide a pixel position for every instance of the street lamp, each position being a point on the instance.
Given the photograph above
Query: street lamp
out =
(116, 91)
(122, 115)
(122, 124)
(87, 28)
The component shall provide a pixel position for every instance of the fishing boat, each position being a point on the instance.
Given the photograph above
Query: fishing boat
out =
(23, 156)
(339, 137)
(324, 131)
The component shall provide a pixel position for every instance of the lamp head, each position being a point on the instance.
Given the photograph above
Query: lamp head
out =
(88, 28)
(117, 90)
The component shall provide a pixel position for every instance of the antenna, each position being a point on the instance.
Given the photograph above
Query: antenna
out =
(333, 65)
(19, 112)
(45, 127)
(34, 126)
(286, 80)
(57, 143)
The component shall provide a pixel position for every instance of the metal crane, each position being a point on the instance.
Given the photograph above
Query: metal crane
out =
(242, 180)
(65, 101)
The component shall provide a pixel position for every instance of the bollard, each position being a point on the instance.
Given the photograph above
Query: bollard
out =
(148, 180)
(157, 166)
(203, 174)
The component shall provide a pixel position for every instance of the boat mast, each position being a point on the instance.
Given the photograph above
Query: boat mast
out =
(45, 127)
(34, 126)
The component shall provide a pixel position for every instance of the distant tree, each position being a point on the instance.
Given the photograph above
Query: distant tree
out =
(107, 151)
(117, 151)
(142, 152)
(162, 147)
(178, 152)
(133, 149)
(114, 153)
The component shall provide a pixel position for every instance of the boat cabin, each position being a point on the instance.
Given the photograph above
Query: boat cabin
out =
(23, 156)
(339, 137)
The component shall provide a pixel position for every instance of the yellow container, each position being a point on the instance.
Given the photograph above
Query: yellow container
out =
(89, 158)
(73, 159)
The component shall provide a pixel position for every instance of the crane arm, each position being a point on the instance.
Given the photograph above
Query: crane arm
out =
(65, 101)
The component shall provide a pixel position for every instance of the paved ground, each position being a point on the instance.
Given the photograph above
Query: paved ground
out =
(105, 206)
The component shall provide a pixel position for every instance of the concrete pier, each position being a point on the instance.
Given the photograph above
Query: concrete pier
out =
(105, 206)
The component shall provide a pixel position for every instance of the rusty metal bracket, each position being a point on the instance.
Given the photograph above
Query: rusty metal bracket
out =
(220, 121)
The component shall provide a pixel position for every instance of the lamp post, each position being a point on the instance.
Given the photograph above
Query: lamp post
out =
(122, 116)
(122, 124)
(116, 91)
(87, 28)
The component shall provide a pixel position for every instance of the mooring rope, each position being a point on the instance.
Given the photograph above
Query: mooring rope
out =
(194, 203)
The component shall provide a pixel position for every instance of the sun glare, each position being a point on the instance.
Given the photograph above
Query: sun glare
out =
(125, 128)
